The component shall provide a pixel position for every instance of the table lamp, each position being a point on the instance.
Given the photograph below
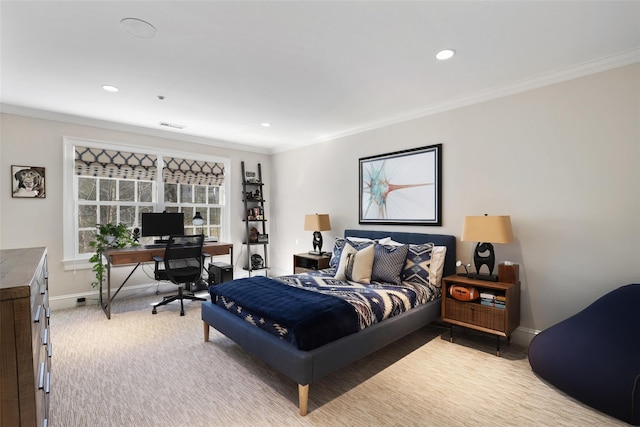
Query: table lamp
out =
(486, 230)
(317, 223)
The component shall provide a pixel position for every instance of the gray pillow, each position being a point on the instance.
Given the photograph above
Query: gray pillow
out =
(388, 262)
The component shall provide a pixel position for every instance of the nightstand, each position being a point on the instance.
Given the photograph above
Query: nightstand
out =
(303, 263)
(499, 319)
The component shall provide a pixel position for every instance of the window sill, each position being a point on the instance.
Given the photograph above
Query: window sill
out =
(76, 264)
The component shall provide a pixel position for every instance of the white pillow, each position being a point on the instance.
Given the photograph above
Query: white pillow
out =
(389, 241)
(437, 265)
(355, 265)
(360, 239)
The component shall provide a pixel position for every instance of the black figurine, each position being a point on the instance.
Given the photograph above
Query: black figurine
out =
(317, 241)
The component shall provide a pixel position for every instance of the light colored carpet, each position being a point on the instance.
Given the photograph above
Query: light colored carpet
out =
(139, 369)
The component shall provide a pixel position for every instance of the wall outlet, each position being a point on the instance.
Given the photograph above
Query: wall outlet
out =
(80, 302)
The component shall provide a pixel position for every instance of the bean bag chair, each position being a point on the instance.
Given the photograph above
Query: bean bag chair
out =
(594, 356)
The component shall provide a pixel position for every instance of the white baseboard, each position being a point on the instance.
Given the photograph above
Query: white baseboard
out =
(62, 302)
(522, 336)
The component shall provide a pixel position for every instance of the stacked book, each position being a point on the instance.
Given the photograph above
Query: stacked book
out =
(492, 300)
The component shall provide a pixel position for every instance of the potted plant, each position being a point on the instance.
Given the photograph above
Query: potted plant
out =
(108, 236)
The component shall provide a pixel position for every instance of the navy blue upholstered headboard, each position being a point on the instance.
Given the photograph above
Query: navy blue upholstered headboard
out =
(415, 238)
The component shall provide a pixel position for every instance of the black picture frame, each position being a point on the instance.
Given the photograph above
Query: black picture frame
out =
(402, 187)
(28, 182)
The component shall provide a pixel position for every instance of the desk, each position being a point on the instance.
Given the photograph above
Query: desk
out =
(138, 255)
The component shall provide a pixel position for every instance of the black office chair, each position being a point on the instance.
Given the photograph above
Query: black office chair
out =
(182, 263)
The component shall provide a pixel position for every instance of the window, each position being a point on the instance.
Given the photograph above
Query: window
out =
(191, 198)
(110, 200)
(109, 183)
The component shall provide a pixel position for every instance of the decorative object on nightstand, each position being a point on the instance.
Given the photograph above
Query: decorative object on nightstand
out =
(317, 223)
(466, 268)
(486, 230)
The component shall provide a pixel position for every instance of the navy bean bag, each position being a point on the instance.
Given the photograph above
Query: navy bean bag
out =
(594, 356)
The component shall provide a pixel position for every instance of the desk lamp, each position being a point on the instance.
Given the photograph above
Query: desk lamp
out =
(198, 221)
(486, 230)
(317, 223)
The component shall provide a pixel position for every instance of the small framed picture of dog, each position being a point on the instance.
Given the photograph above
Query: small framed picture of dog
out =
(28, 182)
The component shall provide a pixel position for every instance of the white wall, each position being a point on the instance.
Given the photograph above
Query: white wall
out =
(562, 160)
(31, 222)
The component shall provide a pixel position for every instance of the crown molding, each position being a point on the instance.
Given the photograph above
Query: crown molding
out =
(122, 127)
(621, 59)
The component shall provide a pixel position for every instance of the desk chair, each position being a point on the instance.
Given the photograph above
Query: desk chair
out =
(182, 263)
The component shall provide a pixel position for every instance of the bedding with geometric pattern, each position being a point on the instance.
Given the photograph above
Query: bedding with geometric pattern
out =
(370, 304)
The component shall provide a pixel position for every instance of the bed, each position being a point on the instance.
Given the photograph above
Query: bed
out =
(305, 366)
(594, 355)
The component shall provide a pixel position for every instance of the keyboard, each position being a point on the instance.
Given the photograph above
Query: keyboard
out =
(155, 246)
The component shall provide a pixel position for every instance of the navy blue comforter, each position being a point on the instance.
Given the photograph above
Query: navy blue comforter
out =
(310, 319)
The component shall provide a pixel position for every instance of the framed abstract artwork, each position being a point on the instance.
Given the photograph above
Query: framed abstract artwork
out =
(28, 182)
(403, 187)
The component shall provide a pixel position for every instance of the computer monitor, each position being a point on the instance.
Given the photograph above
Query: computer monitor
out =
(162, 225)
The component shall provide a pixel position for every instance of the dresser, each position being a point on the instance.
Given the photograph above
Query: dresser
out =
(25, 342)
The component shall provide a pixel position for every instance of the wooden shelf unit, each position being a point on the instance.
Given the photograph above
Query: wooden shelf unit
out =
(474, 315)
(251, 203)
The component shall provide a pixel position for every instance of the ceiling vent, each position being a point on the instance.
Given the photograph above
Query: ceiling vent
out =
(172, 125)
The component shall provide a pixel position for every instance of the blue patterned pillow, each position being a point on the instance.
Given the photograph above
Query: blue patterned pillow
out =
(388, 262)
(416, 268)
(338, 245)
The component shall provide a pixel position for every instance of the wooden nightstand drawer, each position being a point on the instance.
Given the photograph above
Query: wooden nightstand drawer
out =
(476, 314)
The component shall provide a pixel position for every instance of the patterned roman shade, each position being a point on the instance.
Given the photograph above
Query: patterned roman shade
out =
(115, 164)
(182, 171)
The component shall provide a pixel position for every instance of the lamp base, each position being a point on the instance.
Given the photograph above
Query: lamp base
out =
(315, 253)
(485, 277)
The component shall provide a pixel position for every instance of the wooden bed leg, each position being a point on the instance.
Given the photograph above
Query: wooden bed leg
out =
(206, 331)
(303, 398)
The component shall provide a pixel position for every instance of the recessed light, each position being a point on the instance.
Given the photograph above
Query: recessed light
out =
(110, 88)
(138, 28)
(445, 54)
(265, 125)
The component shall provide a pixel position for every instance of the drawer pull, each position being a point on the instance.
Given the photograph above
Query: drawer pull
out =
(48, 313)
(41, 380)
(36, 318)
(43, 289)
(47, 388)
(45, 339)
(49, 349)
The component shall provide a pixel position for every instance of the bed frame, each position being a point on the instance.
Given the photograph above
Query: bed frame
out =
(305, 367)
